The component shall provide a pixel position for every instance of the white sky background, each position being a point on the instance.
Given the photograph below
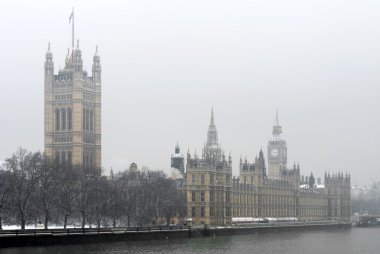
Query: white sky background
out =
(165, 63)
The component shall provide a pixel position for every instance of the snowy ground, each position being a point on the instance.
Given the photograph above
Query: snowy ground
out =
(38, 226)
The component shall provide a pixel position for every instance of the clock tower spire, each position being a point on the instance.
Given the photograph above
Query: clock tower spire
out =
(277, 151)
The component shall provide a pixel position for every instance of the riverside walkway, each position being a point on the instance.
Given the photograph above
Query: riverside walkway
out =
(35, 237)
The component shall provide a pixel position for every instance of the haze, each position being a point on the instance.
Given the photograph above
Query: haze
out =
(166, 63)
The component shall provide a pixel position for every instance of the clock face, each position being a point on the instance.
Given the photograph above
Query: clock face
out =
(274, 152)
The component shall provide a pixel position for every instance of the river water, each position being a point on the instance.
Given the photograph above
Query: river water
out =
(337, 241)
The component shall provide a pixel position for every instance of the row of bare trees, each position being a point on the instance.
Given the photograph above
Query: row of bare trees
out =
(367, 200)
(34, 189)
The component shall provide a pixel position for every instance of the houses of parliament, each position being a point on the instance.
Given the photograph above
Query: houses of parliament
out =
(72, 105)
(214, 196)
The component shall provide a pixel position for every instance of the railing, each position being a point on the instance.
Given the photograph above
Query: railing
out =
(90, 231)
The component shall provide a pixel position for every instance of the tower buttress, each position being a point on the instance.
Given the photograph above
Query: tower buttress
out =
(96, 68)
(49, 65)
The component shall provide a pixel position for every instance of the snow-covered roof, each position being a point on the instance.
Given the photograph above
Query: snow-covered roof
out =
(177, 155)
(306, 186)
(176, 174)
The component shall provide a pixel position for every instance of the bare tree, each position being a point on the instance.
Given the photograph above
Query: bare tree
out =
(5, 192)
(24, 166)
(172, 201)
(87, 178)
(99, 199)
(115, 202)
(130, 190)
(68, 191)
(32, 187)
(48, 188)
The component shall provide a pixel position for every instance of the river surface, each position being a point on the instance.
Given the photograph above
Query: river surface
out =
(337, 241)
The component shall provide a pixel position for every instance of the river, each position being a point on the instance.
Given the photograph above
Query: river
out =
(337, 241)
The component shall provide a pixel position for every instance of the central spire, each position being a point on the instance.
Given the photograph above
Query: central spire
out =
(276, 127)
(212, 134)
(212, 117)
(276, 122)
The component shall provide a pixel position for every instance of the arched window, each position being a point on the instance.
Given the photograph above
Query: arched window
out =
(91, 120)
(57, 157)
(57, 120)
(63, 157)
(69, 157)
(63, 117)
(69, 119)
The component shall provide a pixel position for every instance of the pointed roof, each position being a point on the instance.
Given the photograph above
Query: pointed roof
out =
(276, 122)
(212, 123)
(212, 134)
(48, 52)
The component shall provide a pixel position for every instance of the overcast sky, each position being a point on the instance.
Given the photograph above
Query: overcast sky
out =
(166, 63)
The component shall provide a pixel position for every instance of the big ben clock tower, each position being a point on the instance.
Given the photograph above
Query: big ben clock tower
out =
(277, 151)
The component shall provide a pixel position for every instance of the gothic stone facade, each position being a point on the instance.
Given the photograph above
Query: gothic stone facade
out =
(73, 111)
(209, 183)
(214, 197)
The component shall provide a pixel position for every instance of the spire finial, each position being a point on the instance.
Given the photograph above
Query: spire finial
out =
(212, 116)
(96, 50)
(49, 46)
(77, 44)
(276, 122)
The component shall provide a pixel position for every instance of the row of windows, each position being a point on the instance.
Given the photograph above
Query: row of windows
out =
(194, 212)
(63, 119)
(63, 84)
(89, 160)
(63, 139)
(88, 97)
(194, 195)
(202, 179)
(213, 198)
(63, 97)
(64, 157)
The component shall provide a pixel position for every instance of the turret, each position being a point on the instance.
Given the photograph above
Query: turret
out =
(261, 163)
(77, 59)
(96, 68)
(49, 65)
(188, 155)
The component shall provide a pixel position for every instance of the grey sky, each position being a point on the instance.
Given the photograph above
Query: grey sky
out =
(165, 63)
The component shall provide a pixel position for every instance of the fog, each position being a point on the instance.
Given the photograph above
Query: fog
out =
(166, 63)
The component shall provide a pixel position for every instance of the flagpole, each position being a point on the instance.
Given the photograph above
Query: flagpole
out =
(72, 42)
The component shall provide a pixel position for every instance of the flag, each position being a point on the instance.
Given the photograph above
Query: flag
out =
(71, 16)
